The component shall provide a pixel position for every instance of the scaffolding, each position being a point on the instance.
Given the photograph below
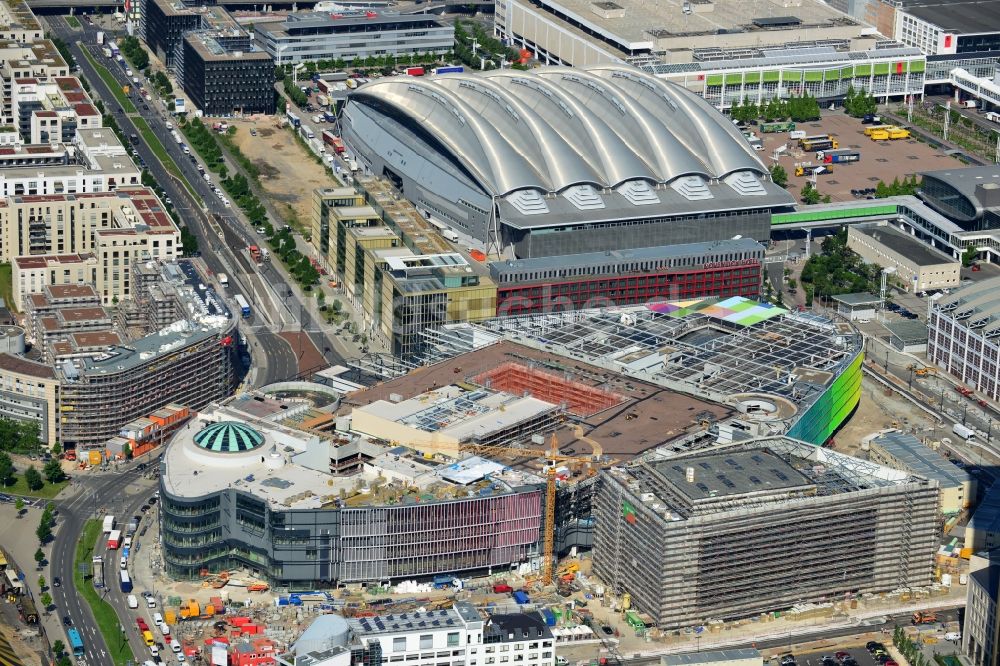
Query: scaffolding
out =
(519, 379)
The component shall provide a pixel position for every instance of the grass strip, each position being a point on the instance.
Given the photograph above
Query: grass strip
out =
(104, 613)
(161, 154)
(109, 79)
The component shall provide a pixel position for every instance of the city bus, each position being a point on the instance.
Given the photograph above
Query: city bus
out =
(75, 642)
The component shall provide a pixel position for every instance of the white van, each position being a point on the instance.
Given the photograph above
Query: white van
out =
(151, 603)
(132, 601)
(175, 646)
(165, 629)
(124, 562)
(158, 619)
(127, 543)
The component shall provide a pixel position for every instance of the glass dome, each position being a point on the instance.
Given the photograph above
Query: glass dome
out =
(228, 437)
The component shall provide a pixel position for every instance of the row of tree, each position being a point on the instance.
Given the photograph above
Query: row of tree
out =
(134, 52)
(837, 269)
(203, 140)
(859, 103)
(295, 93)
(489, 50)
(797, 109)
(897, 187)
(298, 264)
(33, 479)
(238, 187)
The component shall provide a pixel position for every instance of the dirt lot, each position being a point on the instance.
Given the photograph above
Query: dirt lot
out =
(287, 171)
(876, 411)
(883, 160)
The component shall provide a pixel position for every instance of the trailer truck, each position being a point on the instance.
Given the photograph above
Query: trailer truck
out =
(109, 524)
(838, 156)
(223, 280)
(114, 539)
(97, 571)
(770, 128)
(816, 145)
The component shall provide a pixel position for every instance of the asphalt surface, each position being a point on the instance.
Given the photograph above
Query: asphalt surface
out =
(92, 492)
(226, 254)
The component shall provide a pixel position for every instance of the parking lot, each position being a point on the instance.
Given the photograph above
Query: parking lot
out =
(882, 160)
(860, 655)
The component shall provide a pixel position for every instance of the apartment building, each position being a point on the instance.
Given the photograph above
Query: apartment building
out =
(31, 275)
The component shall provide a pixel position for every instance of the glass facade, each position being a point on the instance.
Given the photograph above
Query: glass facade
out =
(833, 407)
(947, 200)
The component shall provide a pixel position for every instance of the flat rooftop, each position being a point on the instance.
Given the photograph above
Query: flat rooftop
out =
(643, 416)
(921, 460)
(729, 474)
(958, 16)
(639, 24)
(914, 250)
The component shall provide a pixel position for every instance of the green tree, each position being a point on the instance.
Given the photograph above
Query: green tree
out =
(19, 506)
(58, 647)
(810, 195)
(41, 582)
(969, 255)
(53, 471)
(43, 532)
(882, 190)
(39, 557)
(33, 478)
(46, 600)
(6, 469)
(779, 176)
(56, 449)
(64, 661)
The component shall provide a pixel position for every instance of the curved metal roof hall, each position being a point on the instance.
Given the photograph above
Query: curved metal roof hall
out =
(555, 127)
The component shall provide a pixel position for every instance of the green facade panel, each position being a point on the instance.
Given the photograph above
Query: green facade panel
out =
(713, 80)
(918, 65)
(792, 76)
(752, 77)
(862, 70)
(771, 77)
(882, 68)
(734, 79)
(814, 76)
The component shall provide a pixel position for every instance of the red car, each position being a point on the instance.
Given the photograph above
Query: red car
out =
(141, 624)
(841, 656)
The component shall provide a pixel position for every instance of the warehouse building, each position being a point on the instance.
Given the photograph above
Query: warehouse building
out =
(706, 535)
(920, 266)
(352, 33)
(905, 452)
(963, 336)
(530, 163)
(625, 277)
(580, 33)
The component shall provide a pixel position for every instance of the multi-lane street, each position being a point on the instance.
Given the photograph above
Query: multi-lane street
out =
(223, 235)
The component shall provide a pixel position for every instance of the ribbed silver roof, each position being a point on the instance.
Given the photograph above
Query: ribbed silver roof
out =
(556, 127)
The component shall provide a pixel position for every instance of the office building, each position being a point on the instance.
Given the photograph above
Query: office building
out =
(461, 635)
(163, 24)
(902, 451)
(94, 374)
(530, 163)
(705, 535)
(265, 497)
(224, 74)
(962, 336)
(352, 34)
(981, 628)
(919, 266)
(946, 27)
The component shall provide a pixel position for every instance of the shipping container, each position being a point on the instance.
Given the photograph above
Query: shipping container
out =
(94, 457)
(242, 304)
(109, 524)
(819, 144)
(521, 597)
(838, 156)
(502, 588)
(448, 69)
(414, 71)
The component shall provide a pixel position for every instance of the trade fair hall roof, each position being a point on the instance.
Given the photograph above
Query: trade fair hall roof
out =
(553, 128)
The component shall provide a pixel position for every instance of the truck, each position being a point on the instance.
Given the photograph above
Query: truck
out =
(124, 581)
(97, 571)
(838, 156)
(106, 51)
(223, 280)
(329, 117)
(414, 71)
(923, 617)
(131, 528)
(770, 128)
(293, 119)
(450, 235)
(970, 104)
(115, 51)
(992, 116)
(502, 588)
(309, 134)
(962, 431)
(255, 253)
(177, 137)
(817, 145)
(448, 69)
(109, 524)
(813, 137)
(520, 597)
(100, 38)
(114, 539)
(242, 304)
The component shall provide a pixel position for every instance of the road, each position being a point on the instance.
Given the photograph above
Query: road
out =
(91, 491)
(276, 304)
